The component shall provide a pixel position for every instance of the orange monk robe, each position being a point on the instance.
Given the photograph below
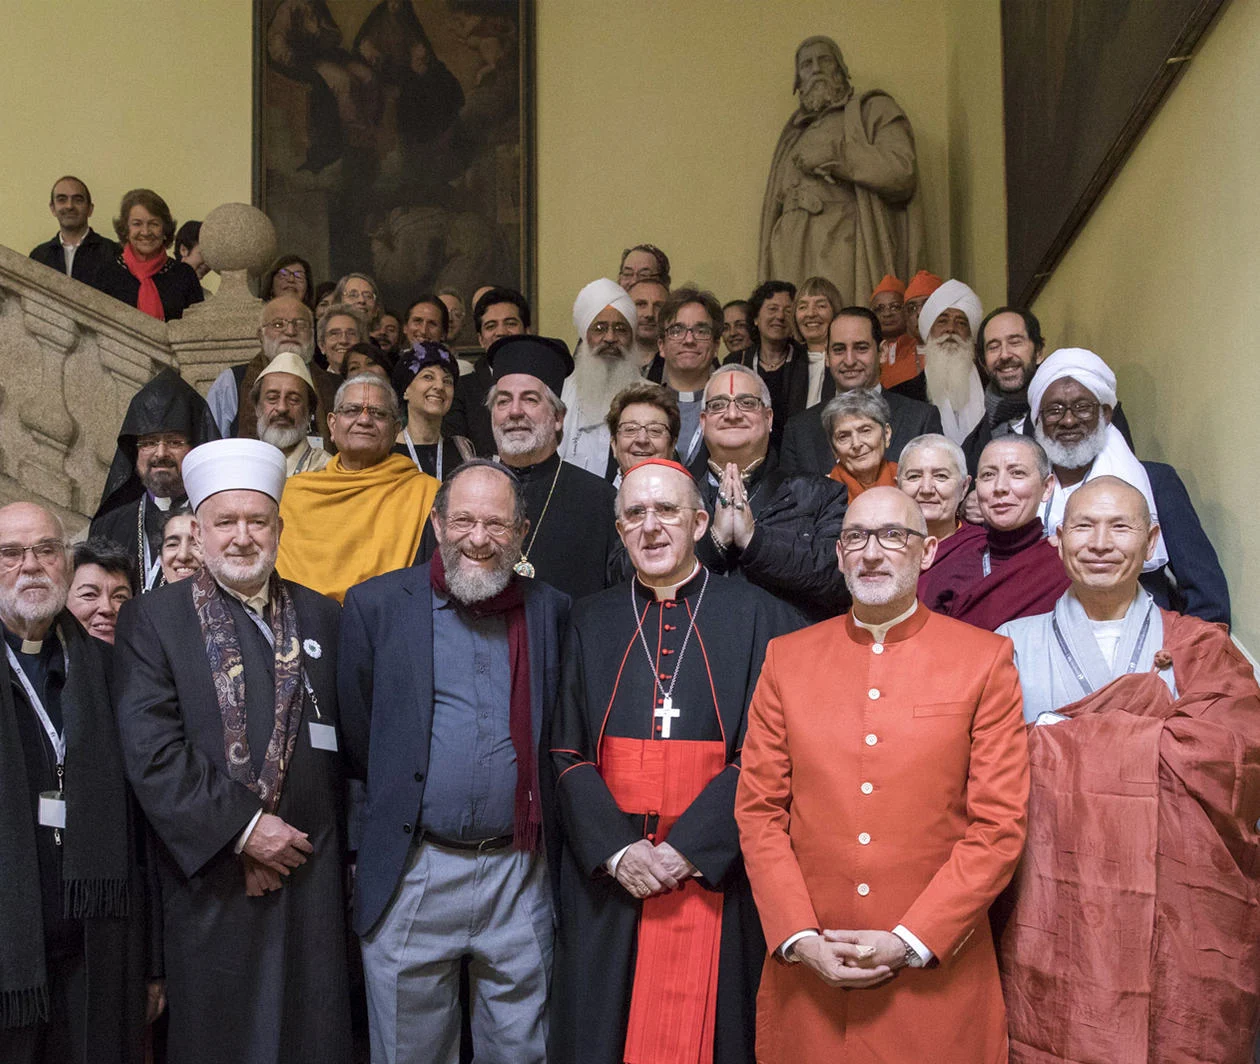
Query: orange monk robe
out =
(884, 785)
(1134, 936)
(342, 527)
(899, 361)
(887, 478)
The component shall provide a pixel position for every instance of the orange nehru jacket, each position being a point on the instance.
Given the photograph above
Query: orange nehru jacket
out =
(884, 785)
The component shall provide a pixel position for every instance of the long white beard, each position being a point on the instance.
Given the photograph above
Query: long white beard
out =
(598, 378)
(948, 365)
(1073, 455)
(22, 607)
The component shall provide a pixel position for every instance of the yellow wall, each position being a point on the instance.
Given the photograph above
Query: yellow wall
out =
(656, 120)
(1160, 283)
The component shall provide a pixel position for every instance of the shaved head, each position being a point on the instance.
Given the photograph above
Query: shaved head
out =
(883, 506)
(1110, 491)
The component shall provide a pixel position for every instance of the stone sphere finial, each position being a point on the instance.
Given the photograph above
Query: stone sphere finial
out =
(236, 236)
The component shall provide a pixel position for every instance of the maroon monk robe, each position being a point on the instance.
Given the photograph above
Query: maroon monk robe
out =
(1025, 576)
(1134, 936)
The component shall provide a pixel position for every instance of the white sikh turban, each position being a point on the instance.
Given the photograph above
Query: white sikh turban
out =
(233, 465)
(1084, 367)
(595, 297)
(952, 295)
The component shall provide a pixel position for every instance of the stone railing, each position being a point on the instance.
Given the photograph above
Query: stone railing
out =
(71, 358)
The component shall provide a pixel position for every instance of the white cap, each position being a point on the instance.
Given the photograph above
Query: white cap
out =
(232, 465)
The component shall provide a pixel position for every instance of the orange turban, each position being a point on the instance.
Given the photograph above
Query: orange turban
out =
(922, 284)
(889, 284)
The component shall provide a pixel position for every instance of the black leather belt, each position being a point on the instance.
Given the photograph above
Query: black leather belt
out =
(499, 842)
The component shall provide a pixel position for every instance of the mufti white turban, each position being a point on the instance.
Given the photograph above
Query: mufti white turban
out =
(1084, 367)
(233, 465)
(952, 295)
(595, 297)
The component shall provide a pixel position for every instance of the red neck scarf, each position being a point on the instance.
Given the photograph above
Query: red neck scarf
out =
(143, 270)
(511, 602)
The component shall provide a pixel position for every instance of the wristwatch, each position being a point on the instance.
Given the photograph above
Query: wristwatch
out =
(911, 959)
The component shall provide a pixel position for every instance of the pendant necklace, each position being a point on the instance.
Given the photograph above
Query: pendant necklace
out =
(667, 712)
(523, 566)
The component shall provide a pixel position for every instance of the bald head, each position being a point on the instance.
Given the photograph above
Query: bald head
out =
(678, 484)
(1112, 495)
(877, 507)
(287, 324)
(34, 568)
(880, 559)
(1105, 539)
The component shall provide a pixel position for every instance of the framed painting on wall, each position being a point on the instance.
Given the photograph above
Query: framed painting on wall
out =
(1081, 80)
(395, 138)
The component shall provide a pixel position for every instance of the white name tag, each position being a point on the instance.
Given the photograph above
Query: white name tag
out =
(52, 809)
(323, 737)
(1049, 718)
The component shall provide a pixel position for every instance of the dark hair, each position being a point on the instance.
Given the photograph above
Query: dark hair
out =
(1031, 325)
(679, 298)
(374, 354)
(652, 394)
(865, 313)
(741, 303)
(189, 236)
(151, 202)
(436, 301)
(110, 556)
(269, 279)
(662, 261)
(443, 496)
(758, 298)
(500, 295)
(70, 177)
(174, 512)
(322, 289)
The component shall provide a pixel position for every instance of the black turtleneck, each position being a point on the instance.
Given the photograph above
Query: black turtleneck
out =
(1006, 543)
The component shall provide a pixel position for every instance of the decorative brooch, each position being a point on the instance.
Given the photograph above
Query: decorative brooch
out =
(312, 648)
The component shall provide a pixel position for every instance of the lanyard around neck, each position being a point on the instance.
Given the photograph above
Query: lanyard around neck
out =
(411, 450)
(1076, 668)
(58, 739)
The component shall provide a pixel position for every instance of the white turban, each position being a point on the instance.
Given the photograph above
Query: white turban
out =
(597, 295)
(1084, 367)
(233, 465)
(952, 295)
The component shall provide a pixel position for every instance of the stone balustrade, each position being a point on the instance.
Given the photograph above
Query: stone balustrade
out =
(71, 358)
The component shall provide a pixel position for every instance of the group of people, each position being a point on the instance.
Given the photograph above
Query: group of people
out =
(858, 694)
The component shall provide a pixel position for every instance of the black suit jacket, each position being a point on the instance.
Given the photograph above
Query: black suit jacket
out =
(806, 448)
(94, 251)
(385, 682)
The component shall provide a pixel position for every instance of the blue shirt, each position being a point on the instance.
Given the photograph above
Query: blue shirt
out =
(470, 790)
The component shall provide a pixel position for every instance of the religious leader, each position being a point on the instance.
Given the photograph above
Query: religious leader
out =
(881, 810)
(658, 947)
(1135, 928)
(227, 711)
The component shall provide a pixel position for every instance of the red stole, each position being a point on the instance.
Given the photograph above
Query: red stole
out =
(887, 478)
(143, 270)
(674, 1002)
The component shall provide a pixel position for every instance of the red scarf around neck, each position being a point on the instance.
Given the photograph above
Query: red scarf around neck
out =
(510, 602)
(143, 270)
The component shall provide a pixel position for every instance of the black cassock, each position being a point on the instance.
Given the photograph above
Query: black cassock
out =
(249, 980)
(607, 690)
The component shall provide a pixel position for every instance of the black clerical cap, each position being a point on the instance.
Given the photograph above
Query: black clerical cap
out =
(543, 357)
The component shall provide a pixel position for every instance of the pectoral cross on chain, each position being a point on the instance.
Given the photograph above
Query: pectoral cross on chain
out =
(667, 714)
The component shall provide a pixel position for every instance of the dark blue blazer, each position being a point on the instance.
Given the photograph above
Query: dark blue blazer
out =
(385, 694)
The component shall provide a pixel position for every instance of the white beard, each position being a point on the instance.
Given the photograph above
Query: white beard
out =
(598, 378)
(14, 603)
(1074, 455)
(948, 365)
(281, 436)
(893, 589)
(234, 571)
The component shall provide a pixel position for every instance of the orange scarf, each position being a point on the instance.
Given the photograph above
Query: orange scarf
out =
(887, 479)
(143, 270)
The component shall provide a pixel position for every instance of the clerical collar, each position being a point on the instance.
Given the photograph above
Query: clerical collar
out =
(670, 591)
(257, 602)
(879, 631)
(689, 397)
(163, 503)
(1006, 543)
(547, 465)
(28, 647)
(717, 468)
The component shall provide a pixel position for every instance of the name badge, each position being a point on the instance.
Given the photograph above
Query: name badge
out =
(323, 736)
(52, 809)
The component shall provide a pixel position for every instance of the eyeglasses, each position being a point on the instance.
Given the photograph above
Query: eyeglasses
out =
(667, 513)
(354, 410)
(169, 440)
(656, 430)
(45, 551)
(701, 332)
(892, 537)
(719, 404)
(298, 325)
(291, 275)
(463, 524)
(1082, 410)
(617, 328)
(889, 308)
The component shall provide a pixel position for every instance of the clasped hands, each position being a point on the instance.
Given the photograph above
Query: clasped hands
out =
(732, 517)
(852, 960)
(646, 870)
(272, 850)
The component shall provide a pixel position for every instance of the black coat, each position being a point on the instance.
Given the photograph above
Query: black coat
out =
(806, 448)
(248, 979)
(176, 282)
(95, 251)
(468, 415)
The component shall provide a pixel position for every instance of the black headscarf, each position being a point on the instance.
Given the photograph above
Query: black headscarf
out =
(167, 403)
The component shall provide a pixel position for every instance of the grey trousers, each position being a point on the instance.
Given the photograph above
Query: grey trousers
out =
(496, 910)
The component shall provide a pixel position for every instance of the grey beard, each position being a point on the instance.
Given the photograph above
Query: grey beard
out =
(947, 364)
(13, 605)
(164, 483)
(901, 585)
(599, 375)
(278, 435)
(305, 350)
(822, 91)
(512, 446)
(229, 571)
(1074, 455)
(477, 585)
